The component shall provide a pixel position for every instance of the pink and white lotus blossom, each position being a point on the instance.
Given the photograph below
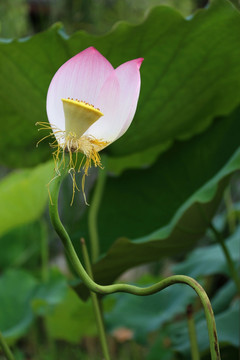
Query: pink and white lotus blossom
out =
(90, 104)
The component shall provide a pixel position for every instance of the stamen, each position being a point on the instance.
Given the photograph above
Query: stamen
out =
(87, 145)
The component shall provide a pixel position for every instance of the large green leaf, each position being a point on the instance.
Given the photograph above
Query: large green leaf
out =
(23, 196)
(16, 289)
(214, 259)
(71, 319)
(164, 209)
(190, 75)
(224, 296)
(21, 245)
(49, 293)
(22, 296)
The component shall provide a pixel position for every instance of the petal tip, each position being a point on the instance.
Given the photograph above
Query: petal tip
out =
(90, 49)
(139, 62)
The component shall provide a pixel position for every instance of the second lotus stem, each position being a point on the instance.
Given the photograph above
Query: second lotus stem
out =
(96, 304)
(231, 266)
(93, 211)
(192, 333)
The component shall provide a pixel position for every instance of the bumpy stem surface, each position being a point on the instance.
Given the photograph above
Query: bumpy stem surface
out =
(135, 290)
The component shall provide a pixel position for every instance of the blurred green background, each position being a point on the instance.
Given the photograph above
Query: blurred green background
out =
(20, 18)
(171, 193)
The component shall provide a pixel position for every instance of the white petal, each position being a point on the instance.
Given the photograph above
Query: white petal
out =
(118, 101)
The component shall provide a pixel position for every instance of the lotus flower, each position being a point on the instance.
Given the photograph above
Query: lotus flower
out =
(90, 104)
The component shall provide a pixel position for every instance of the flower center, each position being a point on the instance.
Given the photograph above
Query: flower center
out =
(79, 116)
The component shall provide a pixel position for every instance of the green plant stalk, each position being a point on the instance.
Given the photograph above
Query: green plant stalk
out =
(5, 348)
(232, 269)
(96, 305)
(44, 252)
(93, 212)
(135, 290)
(231, 217)
(192, 334)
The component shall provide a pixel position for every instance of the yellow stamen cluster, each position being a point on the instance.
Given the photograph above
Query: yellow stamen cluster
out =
(69, 143)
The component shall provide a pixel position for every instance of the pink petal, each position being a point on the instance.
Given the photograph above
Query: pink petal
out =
(80, 78)
(128, 75)
(107, 127)
(118, 101)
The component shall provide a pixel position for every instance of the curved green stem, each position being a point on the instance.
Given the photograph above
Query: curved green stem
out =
(232, 269)
(96, 305)
(135, 290)
(5, 348)
(93, 212)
